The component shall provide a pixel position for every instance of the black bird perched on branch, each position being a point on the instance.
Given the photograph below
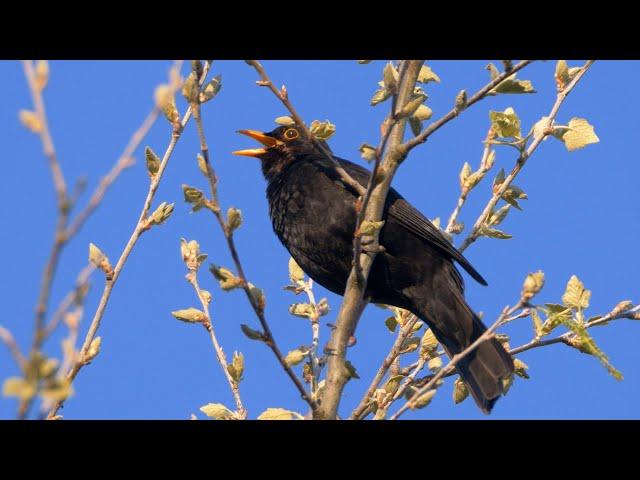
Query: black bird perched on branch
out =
(314, 215)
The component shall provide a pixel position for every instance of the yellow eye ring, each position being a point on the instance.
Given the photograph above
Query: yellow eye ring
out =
(291, 134)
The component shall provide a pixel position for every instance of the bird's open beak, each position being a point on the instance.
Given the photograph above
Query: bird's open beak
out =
(265, 140)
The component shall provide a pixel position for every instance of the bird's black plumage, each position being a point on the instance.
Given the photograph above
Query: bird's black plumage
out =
(313, 214)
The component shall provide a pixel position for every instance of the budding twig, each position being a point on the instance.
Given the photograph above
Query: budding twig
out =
(228, 234)
(403, 333)
(282, 95)
(140, 227)
(192, 278)
(450, 367)
(522, 159)
(454, 112)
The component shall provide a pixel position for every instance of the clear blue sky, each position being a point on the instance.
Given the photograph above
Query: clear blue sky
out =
(582, 217)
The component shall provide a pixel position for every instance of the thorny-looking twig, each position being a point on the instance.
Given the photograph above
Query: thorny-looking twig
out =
(228, 234)
(522, 159)
(141, 226)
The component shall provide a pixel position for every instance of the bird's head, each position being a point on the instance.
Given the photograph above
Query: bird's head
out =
(281, 147)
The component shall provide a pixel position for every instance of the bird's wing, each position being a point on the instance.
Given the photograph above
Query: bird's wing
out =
(412, 220)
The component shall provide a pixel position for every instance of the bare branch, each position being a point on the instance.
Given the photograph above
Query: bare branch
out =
(63, 205)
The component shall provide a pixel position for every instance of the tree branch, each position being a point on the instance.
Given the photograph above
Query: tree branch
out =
(566, 338)
(485, 166)
(14, 349)
(141, 226)
(228, 234)
(283, 96)
(36, 87)
(125, 161)
(453, 113)
(403, 333)
(192, 278)
(522, 159)
(487, 335)
(353, 302)
(82, 284)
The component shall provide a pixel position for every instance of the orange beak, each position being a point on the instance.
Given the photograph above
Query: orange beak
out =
(265, 140)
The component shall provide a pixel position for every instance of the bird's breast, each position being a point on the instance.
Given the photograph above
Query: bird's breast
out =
(315, 219)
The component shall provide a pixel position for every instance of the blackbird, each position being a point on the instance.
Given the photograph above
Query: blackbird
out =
(314, 215)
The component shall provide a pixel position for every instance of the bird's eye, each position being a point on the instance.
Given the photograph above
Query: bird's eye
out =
(291, 134)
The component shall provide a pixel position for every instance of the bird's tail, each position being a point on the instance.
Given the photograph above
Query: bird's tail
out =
(486, 368)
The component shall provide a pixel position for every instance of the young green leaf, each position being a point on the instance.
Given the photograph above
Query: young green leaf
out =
(505, 124)
(575, 295)
(279, 414)
(368, 152)
(460, 391)
(427, 75)
(217, 411)
(579, 134)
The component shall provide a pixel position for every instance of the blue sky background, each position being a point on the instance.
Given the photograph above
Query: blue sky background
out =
(582, 217)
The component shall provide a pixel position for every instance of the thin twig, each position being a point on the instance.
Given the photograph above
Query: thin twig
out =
(450, 367)
(403, 333)
(14, 349)
(453, 113)
(522, 159)
(568, 336)
(192, 278)
(60, 186)
(353, 302)
(82, 283)
(228, 234)
(283, 96)
(125, 161)
(140, 227)
(315, 337)
(484, 168)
